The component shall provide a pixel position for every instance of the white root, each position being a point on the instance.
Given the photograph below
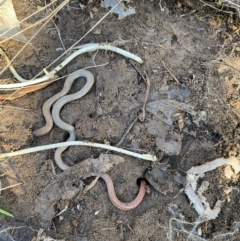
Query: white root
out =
(195, 196)
(81, 49)
(148, 157)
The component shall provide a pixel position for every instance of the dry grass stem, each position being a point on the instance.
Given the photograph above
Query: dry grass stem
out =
(59, 35)
(78, 41)
(211, 6)
(91, 185)
(142, 116)
(64, 210)
(26, 44)
(14, 107)
(127, 131)
(32, 25)
(14, 185)
(170, 72)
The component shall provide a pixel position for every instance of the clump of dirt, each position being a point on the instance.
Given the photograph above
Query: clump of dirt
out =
(191, 56)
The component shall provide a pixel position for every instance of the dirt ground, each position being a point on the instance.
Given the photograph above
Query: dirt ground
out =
(192, 57)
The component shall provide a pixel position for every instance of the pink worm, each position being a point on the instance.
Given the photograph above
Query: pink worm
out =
(114, 199)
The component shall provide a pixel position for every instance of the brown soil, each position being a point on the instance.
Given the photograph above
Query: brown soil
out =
(201, 49)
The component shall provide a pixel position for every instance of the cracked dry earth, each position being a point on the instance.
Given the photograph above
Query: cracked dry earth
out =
(192, 116)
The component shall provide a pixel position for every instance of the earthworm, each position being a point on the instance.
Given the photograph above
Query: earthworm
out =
(64, 100)
(67, 85)
(112, 196)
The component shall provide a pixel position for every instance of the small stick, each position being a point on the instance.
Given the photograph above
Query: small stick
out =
(141, 116)
(121, 232)
(133, 65)
(14, 107)
(99, 95)
(54, 227)
(169, 71)
(59, 35)
(14, 185)
(127, 131)
(91, 185)
(148, 84)
(65, 209)
(103, 229)
(53, 169)
(130, 228)
(99, 87)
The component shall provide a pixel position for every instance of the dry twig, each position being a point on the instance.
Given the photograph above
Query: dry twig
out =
(169, 71)
(91, 185)
(127, 131)
(142, 116)
(14, 185)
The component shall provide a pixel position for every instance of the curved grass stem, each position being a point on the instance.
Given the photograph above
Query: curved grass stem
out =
(81, 49)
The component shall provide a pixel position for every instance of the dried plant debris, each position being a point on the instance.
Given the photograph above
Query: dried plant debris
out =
(195, 195)
(223, 5)
(160, 178)
(235, 4)
(41, 236)
(166, 138)
(69, 183)
(168, 121)
(166, 108)
(122, 10)
(9, 24)
(11, 231)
